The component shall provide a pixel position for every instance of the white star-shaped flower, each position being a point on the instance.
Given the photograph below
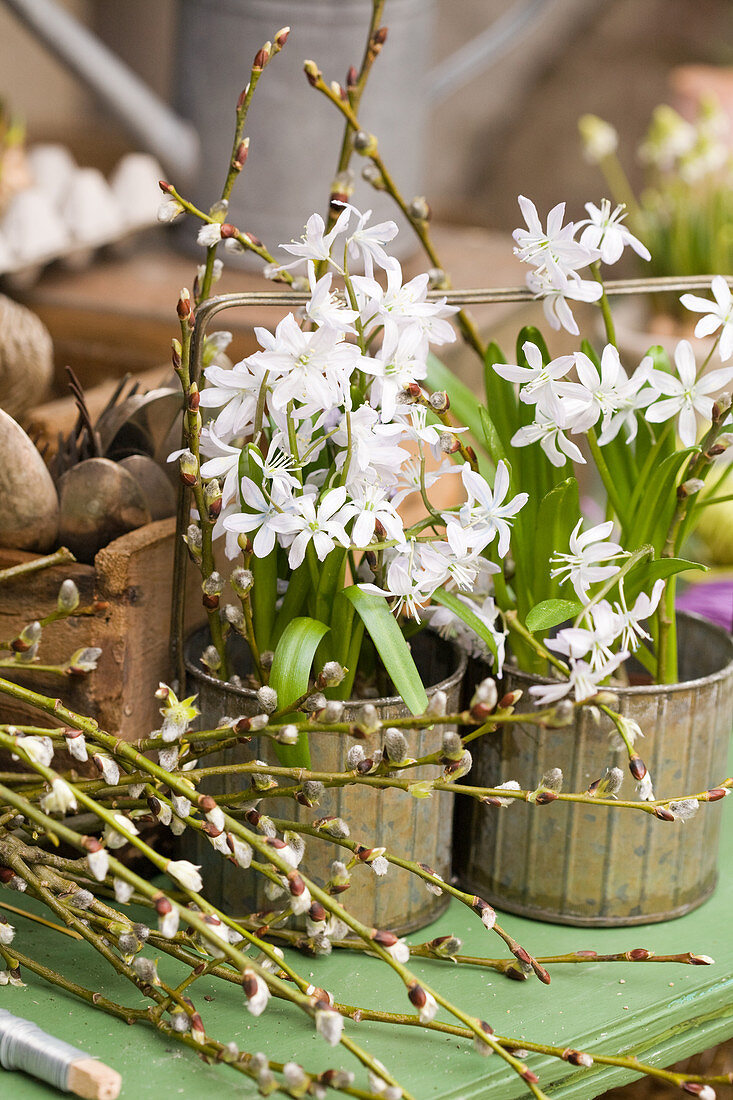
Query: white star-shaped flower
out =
(587, 550)
(485, 512)
(687, 394)
(603, 231)
(718, 314)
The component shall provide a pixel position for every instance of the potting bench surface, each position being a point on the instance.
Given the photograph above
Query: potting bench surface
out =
(659, 1012)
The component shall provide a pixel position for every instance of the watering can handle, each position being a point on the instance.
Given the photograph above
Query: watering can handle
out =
(149, 121)
(175, 142)
(473, 58)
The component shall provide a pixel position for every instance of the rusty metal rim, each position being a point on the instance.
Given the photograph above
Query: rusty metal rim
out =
(654, 689)
(384, 701)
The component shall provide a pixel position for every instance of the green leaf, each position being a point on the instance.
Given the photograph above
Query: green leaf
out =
(492, 438)
(295, 596)
(656, 506)
(501, 396)
(558, 513)
(549, 613)
(290, 675)
(264, 595)
(469, 617)
(643, 577)
(394, 651)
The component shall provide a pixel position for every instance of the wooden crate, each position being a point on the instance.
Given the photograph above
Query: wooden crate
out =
(133, 576)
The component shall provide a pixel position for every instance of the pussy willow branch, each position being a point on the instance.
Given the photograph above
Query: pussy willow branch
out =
(375, 39)
(259, 845)
(208, 1048)
(133, 758)
(24, 569)
(192, 917)
(419, 225)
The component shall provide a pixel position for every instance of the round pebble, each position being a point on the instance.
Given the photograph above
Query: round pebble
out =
(29, 503)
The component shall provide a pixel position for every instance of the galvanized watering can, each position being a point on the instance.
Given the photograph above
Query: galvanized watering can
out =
(295, 133)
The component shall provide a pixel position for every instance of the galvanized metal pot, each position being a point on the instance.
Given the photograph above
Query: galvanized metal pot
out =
(575, 864)
(419, 829)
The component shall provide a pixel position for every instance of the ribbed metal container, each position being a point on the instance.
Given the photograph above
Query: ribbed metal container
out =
(574, 864)
(412, 828)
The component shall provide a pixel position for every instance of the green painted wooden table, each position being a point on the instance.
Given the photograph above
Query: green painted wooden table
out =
(660, 1012)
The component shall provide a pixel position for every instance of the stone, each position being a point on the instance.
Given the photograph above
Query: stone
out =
(29, 506)
(99, 502)
(160, 496)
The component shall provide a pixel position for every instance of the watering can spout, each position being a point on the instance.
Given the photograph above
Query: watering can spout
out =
(147, 119)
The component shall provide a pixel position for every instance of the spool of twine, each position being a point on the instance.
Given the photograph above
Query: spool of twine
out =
(23, 1046)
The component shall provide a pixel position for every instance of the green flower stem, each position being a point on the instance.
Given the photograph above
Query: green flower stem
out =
(414, 868)
(631, 1062)
(232, 173)
(209, 1049)
(330, 779)
(256, 842)
(224, 973)
(21, 666)
(714, 500)
(63, 913)
(248, 242)
(135, 758)
(604, 306)
(92, 997)
(697, 467)
(608, 482)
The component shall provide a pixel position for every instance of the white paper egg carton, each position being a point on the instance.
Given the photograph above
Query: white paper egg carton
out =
(68, 212)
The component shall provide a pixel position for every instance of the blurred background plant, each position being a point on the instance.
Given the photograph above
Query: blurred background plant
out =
(684, 212)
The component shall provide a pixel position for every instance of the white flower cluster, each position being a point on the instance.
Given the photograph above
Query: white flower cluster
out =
(341, 427)
(557, 257)
(610, 395)
(601, 625)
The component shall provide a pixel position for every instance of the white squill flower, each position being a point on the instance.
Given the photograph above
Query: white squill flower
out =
(717, 314)
(686, 394)
(550, 435)
(552, 249)
(555, 298)
(489, 509)
(587, 550)
(539, 381)
(604, 231)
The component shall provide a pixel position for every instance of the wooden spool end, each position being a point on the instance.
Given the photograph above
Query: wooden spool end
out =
(93, 1080)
